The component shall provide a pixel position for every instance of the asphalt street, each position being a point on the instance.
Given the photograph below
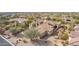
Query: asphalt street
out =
(3, 42)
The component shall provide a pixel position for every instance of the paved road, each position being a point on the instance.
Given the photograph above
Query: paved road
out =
(3, 42)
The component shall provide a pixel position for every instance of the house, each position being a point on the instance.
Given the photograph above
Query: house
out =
(75, 36)
(76, 28)
(74, 41)
(44, 27)
(19, 20)
(67, 19)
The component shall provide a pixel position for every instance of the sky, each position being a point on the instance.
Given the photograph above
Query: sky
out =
(39, 5)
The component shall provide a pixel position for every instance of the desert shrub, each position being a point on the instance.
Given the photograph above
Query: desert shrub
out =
(77, 21)
(65, 36)
(32, 33)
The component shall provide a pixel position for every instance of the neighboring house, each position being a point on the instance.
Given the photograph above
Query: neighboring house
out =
(74, 38)
(67, 19)
(19, 20)
(76, 28)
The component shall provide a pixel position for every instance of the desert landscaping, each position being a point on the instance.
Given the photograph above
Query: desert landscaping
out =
(40, 28)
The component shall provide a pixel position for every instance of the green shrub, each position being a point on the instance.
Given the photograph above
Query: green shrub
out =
(14, 31)
(65, 36)
(77, 21)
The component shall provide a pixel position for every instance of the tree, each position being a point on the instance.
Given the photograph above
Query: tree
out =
(4, 18)
(20, 25)
(48, 18)
(15, 31)
(30, 17)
